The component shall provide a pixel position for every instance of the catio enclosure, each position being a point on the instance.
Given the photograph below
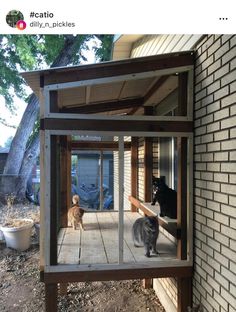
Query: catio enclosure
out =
(144, 106)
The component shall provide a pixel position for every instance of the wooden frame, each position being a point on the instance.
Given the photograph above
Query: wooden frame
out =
(134, 69)
(76, 273)
(115, 125)
(134, 170)
(158, 65)
(65, 169)
(49, 248)
(54, 124)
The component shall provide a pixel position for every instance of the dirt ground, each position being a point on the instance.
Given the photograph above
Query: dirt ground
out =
(21, 290)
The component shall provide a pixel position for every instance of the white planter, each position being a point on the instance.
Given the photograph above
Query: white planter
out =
(18, 237)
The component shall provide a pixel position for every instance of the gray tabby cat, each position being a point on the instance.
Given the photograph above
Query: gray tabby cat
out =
(145, 233)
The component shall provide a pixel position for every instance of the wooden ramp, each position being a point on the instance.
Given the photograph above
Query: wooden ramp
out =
(99, 242)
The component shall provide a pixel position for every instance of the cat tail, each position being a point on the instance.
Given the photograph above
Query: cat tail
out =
(136, 233)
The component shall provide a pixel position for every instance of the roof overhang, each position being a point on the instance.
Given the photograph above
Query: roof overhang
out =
(122, 45)
(112, 86)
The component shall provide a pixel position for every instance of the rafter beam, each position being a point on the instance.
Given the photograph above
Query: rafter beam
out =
(104, 107)
(150, 93)
(155, 87)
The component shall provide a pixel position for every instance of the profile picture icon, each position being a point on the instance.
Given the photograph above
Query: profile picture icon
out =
(13, 17)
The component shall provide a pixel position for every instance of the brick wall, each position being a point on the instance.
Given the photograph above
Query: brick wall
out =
(214, 283)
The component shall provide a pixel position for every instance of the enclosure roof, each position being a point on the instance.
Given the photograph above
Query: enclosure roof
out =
(114, 85)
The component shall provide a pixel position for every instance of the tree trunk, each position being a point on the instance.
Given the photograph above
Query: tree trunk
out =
(29, 161)
(16, 154)
(20, 161)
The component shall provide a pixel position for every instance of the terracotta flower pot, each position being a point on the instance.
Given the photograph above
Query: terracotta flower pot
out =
(18, 237)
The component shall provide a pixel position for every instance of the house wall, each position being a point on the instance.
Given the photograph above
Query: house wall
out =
(159, 44)
(150, 45)
(214, 283)
(141, 169)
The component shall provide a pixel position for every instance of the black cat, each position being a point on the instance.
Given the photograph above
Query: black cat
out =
(145, 232)
(166, 197)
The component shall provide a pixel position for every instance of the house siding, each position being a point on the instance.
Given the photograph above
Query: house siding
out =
(214, 283)
(159, 44)
(141, 169)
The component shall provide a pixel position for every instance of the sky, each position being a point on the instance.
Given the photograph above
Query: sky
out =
(14, 119)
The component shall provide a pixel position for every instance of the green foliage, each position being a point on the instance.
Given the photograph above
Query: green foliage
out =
(52, 45)
(17, 53)
(80, 45)
(30, 52)
(103, 52)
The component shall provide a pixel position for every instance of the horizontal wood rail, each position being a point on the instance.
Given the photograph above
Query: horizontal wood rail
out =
(170, 227)
(98, 145)
(114, 273)
(91, 124)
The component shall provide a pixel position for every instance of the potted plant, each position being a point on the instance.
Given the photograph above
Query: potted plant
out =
(16, 231)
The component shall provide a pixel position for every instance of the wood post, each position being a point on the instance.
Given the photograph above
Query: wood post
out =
(68, 168)
(65, 179)
(51, 294)
(53, 200)
(183, 94)
(101, 180)
(53, 101)
(121, 200)
(148, 160)
(182, 144)
(134, 170)
(148, 167)
(182, 198)
(147, 283)
(51, 290)
(184, 285)
(184, 295)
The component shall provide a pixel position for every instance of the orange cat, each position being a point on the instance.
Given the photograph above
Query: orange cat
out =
(75, 214)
